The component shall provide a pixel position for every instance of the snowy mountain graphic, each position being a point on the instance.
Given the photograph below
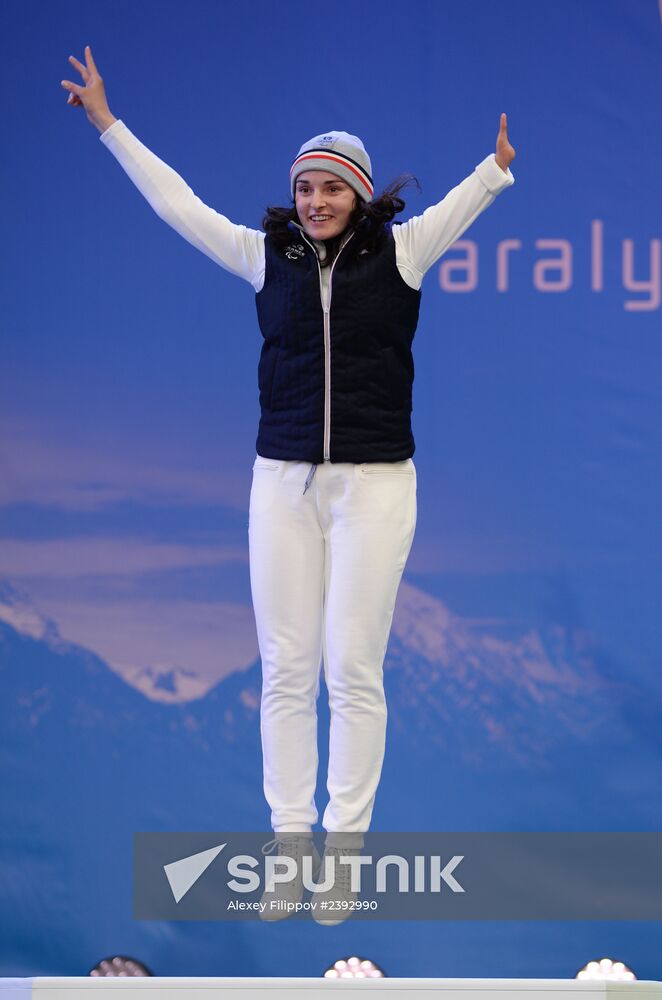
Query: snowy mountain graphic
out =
(19, 611)
(165, 682)
(484, 733)
(449, 685)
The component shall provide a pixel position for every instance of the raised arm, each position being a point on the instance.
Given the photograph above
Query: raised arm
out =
(423, 239)
(236, 248)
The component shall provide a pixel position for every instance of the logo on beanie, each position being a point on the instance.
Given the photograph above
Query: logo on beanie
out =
(328, 138)
(295, 251)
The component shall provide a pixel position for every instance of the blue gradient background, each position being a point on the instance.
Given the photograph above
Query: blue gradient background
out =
(128, 417)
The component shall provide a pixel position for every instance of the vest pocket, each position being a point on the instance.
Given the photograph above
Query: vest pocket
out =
(398, 386)
(266, 376)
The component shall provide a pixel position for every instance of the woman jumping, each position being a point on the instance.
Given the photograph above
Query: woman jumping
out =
(332, 508)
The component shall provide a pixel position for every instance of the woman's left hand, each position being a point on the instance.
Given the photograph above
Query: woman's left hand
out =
(505, 154)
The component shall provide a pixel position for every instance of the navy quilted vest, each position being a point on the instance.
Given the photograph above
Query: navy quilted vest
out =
(336, 387)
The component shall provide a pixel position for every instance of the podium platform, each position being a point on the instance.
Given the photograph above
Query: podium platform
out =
(277, 988)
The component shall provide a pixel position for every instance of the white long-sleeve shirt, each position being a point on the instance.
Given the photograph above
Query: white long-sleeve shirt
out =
(419, 242)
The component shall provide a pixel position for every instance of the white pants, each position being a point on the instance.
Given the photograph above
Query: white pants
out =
(326, 557)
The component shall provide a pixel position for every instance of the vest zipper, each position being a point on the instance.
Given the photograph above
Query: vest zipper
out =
(327, 343)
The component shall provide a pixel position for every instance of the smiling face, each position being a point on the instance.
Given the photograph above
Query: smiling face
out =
(324, 203)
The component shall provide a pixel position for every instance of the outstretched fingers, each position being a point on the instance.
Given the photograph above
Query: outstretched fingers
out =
(87, 72)
(81, 69)
(91, 65)
(73, 87)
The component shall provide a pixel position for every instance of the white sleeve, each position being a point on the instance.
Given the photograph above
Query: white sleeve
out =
(423, 239)
(236, 248)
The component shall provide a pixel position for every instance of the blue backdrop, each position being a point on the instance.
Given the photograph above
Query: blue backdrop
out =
(523, 672)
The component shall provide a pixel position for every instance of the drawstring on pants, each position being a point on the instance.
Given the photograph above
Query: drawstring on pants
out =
(309, 478)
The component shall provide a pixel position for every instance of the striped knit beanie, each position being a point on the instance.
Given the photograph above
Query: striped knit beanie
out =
(339, 153)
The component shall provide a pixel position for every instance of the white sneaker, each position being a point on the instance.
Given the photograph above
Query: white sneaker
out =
(339, 899)
(295, 846)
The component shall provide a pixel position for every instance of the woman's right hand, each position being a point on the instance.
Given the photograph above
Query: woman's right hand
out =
(93, 95)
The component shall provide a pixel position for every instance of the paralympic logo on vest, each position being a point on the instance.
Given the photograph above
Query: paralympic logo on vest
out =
(295, 251)
(555, 274)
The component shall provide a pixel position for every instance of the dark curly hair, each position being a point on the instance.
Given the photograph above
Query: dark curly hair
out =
(369, 218)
